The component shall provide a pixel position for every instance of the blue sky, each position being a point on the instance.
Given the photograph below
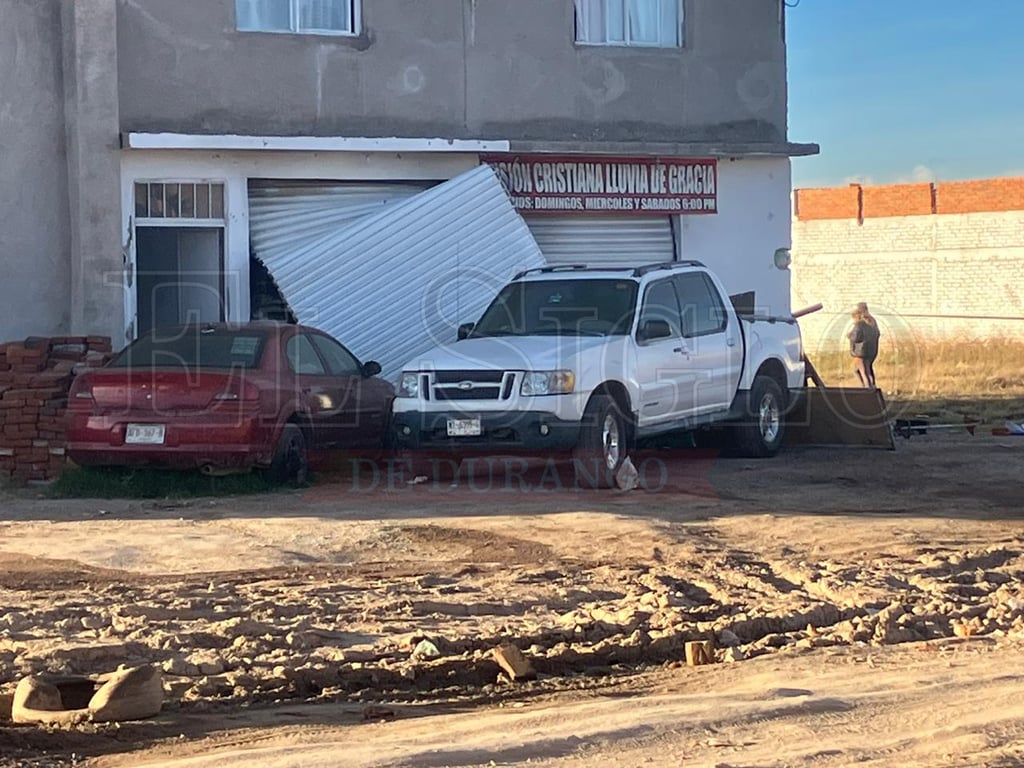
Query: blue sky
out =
(906, 90)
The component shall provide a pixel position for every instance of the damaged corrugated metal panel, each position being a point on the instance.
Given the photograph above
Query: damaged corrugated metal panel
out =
(284, 216)
(394, 284)
(604, 240)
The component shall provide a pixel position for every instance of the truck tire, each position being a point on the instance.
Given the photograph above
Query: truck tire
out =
(290, 464)
(761, 435)
(603, 443)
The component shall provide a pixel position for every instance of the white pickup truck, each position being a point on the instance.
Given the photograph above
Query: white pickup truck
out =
(592, 360)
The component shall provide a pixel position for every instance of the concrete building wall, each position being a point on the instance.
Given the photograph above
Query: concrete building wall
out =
(454, 68)
(933, 261)
(94, 168)
(34, 235)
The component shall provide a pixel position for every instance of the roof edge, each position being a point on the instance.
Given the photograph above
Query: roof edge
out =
(667, 149)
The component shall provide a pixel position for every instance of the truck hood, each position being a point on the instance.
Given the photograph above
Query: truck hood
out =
(511, 353)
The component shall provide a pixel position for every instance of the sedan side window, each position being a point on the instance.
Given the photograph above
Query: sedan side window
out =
(703, 311)
(340, 362)
(302, 357)
(659, 315)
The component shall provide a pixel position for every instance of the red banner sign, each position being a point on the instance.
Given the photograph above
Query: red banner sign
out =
(637, 186)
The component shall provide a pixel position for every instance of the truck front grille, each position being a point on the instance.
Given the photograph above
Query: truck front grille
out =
(472, 385)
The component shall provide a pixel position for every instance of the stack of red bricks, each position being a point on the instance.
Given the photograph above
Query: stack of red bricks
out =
(35, 376)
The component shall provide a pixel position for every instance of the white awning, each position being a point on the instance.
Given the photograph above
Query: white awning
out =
(223, 142)
(395, 283)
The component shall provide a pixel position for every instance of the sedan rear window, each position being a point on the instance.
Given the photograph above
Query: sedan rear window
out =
(194, 348)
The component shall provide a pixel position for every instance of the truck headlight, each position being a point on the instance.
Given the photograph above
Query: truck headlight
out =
(409, 384)
(548, 383)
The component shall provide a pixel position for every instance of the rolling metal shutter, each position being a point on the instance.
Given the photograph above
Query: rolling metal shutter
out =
(604, 240)
(284, 216)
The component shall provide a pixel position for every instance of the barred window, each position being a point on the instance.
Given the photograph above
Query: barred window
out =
(179, 200)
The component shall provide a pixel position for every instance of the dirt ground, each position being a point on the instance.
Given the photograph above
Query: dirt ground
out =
(866, 607)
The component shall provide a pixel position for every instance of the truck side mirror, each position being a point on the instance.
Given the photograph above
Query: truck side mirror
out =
(465, 329)
(651, 330)
(371, 368)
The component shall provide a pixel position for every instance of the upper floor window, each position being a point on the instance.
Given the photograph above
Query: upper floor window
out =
(330, 17)
(656, 23)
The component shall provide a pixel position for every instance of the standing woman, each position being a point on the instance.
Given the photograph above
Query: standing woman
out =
(864, 344)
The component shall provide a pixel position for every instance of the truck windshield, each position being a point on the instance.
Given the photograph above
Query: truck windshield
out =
(561, 308)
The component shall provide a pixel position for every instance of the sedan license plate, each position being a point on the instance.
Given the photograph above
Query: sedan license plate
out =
(464, 428)
(144, 434)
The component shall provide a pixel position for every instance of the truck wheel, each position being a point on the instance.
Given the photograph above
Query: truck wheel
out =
(603, 443)
(761, 436)
(290, 463)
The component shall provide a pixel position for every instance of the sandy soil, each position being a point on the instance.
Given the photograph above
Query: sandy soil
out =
(866, 606)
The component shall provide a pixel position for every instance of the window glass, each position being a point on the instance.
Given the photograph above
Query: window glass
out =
(340, 362)
(295, 15)
(302, 357)
(193, 347)
(265, 15)
(703, 311)
(629, 22)
(332, 15)
(661, 303)
(561, 308)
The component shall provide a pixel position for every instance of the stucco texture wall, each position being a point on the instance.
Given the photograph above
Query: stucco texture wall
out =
(35, 234)
(454, 68)
(950, 267)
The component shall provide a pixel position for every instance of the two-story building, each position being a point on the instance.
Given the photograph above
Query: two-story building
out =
(155, 153)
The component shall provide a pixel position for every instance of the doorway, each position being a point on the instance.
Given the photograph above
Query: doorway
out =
(179, 276)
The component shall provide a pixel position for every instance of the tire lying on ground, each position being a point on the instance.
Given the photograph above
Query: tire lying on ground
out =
(127, 694)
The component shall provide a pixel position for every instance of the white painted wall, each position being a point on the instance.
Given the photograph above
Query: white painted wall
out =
(753, 221)
(738, 243)
(235, 168)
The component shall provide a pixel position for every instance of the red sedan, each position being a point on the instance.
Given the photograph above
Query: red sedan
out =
(225, 398)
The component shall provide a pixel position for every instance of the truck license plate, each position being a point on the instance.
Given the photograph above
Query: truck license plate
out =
(144, 434)
(464, 428)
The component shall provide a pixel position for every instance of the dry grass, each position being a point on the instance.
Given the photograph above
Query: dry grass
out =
(982, 379)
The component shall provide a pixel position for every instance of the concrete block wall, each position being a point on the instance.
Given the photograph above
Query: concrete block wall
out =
(933, 261)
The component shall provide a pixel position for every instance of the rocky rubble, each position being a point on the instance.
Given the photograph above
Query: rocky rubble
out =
(327, 633)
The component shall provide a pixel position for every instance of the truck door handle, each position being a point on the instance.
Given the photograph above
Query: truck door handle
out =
(730, 342)
(681, 350)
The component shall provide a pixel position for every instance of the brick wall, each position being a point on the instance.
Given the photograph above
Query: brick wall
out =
(942, 260)
(35, 376)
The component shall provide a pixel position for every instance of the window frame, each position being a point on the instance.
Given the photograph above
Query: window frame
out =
(322, 338)
(354, 14)
(676, 327)
(717, 306)
(298, 338)
(626, 42)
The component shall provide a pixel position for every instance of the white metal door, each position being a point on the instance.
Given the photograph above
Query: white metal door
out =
(604, 240)
(713, 345)
(394, 284)
(288, 216)
(663, 371)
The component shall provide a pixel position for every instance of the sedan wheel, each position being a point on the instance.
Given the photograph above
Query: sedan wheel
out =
(290, 464)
